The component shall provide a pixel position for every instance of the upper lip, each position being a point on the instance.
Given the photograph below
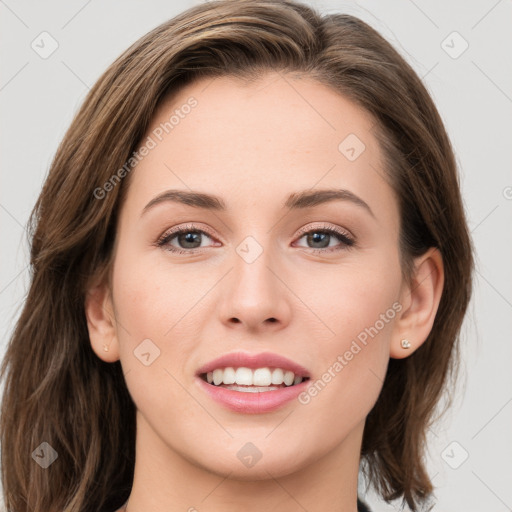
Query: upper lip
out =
(253, 361)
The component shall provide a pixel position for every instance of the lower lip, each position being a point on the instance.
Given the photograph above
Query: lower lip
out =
(252, 403)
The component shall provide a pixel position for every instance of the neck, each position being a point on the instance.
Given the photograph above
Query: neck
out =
(165, 480)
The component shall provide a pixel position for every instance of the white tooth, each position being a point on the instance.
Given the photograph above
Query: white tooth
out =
(277, 376)
(288, 378)
(217, 376)
(243, 376)
(229, 375)
(262, 377)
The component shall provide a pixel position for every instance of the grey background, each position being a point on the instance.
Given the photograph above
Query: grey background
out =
(473, 92)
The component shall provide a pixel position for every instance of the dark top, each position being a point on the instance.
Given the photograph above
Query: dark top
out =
(362, 506)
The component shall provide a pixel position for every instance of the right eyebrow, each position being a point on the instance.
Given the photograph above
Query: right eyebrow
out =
(194, 199)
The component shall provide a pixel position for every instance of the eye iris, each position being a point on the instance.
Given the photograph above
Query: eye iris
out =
(317, 237)
(188, 238)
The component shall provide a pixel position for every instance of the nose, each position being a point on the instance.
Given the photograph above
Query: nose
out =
(255, 294)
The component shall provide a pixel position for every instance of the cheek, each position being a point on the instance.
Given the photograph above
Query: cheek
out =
(152, 298)
(353, 298)
(360, 309)
(154, 331)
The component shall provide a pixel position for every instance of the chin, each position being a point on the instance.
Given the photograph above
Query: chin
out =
(245, 462)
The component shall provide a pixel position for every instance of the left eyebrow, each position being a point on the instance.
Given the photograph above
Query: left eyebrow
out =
(296, 200)
(310, 198)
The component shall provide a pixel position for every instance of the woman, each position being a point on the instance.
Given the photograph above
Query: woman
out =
(250, 267)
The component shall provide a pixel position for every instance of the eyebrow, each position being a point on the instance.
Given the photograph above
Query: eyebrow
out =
(295, 201)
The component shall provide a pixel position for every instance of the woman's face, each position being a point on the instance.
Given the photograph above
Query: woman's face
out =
(256, 276)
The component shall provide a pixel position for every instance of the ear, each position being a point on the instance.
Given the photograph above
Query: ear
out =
(420, 300)
(99, 311)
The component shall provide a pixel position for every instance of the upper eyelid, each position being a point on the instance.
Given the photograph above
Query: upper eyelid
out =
(171, 232)
(325, 227)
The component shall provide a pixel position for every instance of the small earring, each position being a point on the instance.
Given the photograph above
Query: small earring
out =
(405, 344)
(106, 347)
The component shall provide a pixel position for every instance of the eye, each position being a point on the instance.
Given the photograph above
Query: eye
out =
(321, 238)
(188, 237)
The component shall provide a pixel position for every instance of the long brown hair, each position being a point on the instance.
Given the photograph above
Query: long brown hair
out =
(59, 392)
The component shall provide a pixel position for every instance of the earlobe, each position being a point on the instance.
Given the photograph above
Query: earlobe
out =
(101, 323)
(423, 296)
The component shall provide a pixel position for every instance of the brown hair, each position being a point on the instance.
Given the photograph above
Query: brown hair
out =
(58, 391)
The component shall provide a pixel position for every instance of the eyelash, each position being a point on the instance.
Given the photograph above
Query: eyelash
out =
(347, 241)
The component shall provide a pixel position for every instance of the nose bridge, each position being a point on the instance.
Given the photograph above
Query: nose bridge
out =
(252, 262)
(255, 293)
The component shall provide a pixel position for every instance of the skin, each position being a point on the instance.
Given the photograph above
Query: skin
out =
(253, 145)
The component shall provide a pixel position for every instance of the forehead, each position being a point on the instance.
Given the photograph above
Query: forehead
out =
(260, 141)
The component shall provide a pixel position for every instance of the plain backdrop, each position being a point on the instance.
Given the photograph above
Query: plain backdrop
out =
(462, 51)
